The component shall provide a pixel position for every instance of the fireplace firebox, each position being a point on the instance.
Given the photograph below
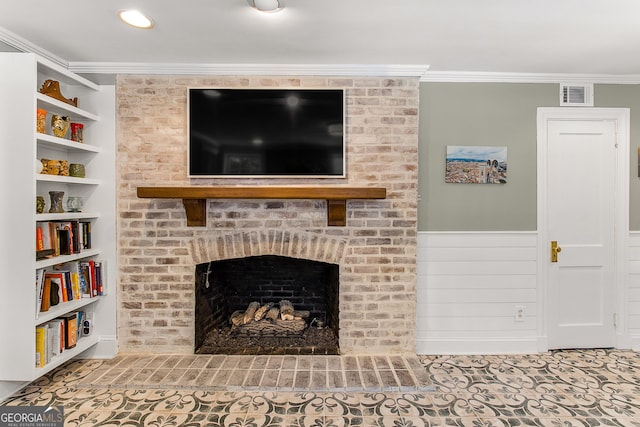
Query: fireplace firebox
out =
(267, 304)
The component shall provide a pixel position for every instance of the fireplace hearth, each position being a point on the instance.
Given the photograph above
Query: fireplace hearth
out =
(267, 305)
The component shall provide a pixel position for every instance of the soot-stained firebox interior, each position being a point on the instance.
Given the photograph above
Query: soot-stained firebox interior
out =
(267, 304)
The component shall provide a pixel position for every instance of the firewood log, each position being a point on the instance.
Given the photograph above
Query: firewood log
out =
(286, 310)
(279, 328)
(237, 318)
(260, 313)
(250, 312)
(273, 314)
(301, 314)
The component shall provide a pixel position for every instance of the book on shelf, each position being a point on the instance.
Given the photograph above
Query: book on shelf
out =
(53, 235)
(92, 277)
(56, 330)
(85, 227)
(76, 238)
(71, 330)
(41, 345)
(81, 317)
(39, 288)
(43, 236)
(99, 277)
(39, 239)
(46, 295)
(58, 287)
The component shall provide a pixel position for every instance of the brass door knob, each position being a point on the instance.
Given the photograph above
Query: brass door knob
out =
(555, 250)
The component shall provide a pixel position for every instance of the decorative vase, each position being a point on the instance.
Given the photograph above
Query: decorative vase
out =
(56, 201)
(76, 170)
(77, 131)
(39, 204)
(39, 166)
(74, 204)
(59, 125)
(41, 120)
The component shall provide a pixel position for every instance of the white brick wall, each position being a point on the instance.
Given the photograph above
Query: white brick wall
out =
(377, 248)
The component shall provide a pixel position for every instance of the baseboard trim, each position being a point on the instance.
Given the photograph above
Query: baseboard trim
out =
(634, 342)
(106, 348)
(477, 346)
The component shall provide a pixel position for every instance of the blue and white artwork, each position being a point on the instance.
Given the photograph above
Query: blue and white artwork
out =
(476, 165)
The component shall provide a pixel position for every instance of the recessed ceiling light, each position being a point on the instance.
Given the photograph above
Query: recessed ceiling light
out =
(267, 5)
(136, 19)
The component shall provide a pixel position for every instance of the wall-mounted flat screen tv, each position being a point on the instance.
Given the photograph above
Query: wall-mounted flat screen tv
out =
(271, 133)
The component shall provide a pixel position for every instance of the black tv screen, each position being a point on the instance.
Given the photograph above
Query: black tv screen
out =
(266, 133)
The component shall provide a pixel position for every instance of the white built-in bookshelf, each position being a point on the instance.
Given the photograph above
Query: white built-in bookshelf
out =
(22, 76)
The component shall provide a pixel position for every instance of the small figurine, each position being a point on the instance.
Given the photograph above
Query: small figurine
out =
(50, 167)
(60, 125)
(64, 168)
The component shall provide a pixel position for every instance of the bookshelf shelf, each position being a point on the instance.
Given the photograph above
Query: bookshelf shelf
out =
(66, 216)
(61, 259)
(23, 76)
(74, 113)
(65, 145)
(64, 307)
(67, 179)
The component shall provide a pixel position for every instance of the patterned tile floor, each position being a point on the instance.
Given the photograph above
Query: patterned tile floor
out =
(564, 388)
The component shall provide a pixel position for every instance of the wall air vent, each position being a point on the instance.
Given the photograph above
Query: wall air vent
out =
(576, 94)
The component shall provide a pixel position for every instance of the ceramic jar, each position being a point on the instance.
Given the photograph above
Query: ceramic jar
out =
(56, 201)
(41, 120)
(76, 170)
(77, 130)
(39, 204)
(74, 204)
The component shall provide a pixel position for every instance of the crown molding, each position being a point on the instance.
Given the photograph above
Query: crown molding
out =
(488, 77)
(249, 69)
(379, 70)
(24, 45)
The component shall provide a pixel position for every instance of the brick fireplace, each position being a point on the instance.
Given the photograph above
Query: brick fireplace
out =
(282, 265)
(375, 251)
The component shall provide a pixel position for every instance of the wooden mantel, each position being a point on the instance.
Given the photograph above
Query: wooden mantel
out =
(195, 198)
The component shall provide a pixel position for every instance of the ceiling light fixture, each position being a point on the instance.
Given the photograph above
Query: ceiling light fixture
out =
(267, 5)
(136, 19)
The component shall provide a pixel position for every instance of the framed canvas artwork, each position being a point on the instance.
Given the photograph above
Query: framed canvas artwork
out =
(476, 165)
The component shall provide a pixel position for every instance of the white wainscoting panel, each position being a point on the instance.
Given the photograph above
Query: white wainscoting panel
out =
(469, 287)
(633, 297)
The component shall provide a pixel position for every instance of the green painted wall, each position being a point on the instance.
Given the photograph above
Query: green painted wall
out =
(626, 96)
(494, 114)
(502, 114)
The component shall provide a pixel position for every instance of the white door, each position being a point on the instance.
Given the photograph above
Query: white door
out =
(580, 199)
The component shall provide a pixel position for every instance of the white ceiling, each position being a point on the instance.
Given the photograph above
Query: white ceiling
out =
(585, 37)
